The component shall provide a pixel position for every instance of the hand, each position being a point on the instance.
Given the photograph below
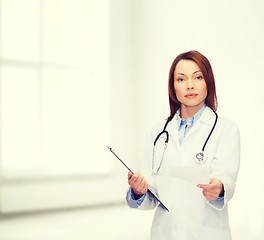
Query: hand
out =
(138, 184)
(212, 190)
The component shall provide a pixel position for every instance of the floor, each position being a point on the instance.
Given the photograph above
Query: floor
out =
(118, 222)
(109, 222)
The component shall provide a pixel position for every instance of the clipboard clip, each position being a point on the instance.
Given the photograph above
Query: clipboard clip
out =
(112, 151)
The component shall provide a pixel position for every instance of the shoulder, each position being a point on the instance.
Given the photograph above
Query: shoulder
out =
(226, 123)
(227, 129)
(209, 116)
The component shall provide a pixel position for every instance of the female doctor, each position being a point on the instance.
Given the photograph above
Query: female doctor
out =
(197, 139)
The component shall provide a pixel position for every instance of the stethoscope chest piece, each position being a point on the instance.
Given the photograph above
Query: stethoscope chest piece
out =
(200, 158)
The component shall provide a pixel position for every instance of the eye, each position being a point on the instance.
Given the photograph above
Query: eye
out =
(180, 79)
(199, 77)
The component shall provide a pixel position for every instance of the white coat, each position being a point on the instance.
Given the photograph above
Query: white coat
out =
(191, 216)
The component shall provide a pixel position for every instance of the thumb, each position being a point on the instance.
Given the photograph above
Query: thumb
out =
(130, 174)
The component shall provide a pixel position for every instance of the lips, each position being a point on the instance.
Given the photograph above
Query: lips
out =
(191, 95)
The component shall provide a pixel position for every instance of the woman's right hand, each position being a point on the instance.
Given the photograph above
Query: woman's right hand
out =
(138, 184)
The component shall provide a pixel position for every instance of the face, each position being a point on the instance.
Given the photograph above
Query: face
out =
(189, 84)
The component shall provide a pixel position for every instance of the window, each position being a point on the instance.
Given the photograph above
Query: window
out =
(54, 87)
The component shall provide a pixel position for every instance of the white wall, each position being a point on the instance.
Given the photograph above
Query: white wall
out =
(148, 35)
(122, 80)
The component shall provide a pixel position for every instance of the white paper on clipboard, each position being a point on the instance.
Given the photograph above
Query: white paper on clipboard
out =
(197, 175)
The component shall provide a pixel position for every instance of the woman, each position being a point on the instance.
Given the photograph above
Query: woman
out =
(195, 211)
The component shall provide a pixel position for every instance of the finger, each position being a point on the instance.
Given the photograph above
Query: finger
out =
(141, 185)
(212, 182)
(140, 182)
(138, 189)
(211, 189)
(211, 197)
(206, 187)
(145, 185)
(144, 188)
(134, 177)
(136, 181)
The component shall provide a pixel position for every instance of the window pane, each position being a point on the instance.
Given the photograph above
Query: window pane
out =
(66, 32)
(20, 118)
(20, 30)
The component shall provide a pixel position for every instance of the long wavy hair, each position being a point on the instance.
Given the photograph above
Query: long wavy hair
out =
(205, 67)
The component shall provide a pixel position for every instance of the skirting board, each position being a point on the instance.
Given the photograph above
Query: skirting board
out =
(69, 193)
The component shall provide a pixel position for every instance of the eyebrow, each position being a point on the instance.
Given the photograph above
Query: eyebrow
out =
(192, 74)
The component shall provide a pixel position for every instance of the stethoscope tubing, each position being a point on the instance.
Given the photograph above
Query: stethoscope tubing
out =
(164, 131)
(216, 118)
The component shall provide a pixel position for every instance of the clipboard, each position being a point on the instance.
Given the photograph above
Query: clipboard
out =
(155, 195)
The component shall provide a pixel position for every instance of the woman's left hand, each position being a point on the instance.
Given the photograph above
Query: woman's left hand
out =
(212, 190)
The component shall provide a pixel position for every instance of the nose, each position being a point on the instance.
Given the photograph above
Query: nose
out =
(189, 84)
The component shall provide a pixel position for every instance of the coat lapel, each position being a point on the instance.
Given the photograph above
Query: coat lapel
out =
(207, 117)
(173, 131)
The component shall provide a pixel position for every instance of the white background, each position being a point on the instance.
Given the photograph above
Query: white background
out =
(140, 39)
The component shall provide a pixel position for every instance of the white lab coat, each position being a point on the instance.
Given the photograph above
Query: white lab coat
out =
(191, 216)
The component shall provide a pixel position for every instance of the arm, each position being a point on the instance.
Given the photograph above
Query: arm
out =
(225, 167)
(147, 200)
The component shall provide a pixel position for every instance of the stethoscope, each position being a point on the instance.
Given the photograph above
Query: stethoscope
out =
(199, 157)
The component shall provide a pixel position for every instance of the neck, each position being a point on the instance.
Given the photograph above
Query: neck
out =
(189, 111)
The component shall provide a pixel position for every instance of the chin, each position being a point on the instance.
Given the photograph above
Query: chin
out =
(194, 104)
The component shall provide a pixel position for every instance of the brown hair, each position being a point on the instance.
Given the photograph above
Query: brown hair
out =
(205, 67)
